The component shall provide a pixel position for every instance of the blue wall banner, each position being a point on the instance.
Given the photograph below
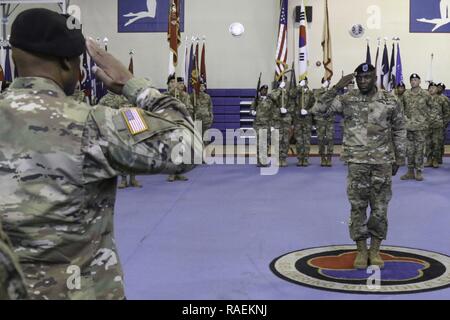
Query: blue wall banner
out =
(146, 15)
(430, 16)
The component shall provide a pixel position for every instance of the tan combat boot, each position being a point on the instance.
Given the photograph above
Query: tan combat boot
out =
(362, 255)
(171, 178)
(374, 253)
(329, 161)
(123, 183)
(409, 175)
(323, 161)
(134, 183)
(180, 177)
(305, 162)
(283, 163)
(429, 163)
(435, 163)
(300, 162)
(418, 175)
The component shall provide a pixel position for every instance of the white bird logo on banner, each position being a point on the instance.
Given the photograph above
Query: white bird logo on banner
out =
(150, 13)
(443, 20)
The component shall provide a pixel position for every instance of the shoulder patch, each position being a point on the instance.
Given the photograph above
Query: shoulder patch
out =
(134, 120)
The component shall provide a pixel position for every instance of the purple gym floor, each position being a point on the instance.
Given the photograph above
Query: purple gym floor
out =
(214, 236)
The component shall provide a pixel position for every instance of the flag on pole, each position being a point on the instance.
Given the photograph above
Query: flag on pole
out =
(173, 34)
(282, 46)
(190, 68)
(398, 68)
(368, 56)
(303, 45)
(8, 69)
(378, 66)
(131, 64)
(196, 71)
(430, 70)
(391, 78)
(185, 67)
(385, 68)
(326, 46)
(86, 84)
(203, 63)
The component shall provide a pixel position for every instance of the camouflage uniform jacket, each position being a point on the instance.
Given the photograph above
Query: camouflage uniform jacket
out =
(416, 107)
(437, 112)
(263, 113)
(79, 96)
(307, 104)
(374, 130)
(279, 98)
(184, 98)
(115, 101)
(318, 93)
(203, 107)
(446, 103)
(12, 285)
(59, 164)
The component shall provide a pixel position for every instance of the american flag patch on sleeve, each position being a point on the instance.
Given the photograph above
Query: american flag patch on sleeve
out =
(134, 120)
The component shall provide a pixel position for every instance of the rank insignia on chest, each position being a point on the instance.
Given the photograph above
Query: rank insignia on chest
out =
(134, 120)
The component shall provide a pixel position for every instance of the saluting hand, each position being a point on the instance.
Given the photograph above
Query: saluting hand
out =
(345, 81)
(109, 70)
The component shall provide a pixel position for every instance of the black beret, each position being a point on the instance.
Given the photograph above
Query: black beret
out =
(414, 76)
(265, 86)
(364, 68)
(170, 78)
(47, 32)
(441, 85)
(401, 85)
(180, 79)
(432, 84)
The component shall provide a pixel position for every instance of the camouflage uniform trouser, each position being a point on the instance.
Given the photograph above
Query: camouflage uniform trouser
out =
(369, 184)
(302, 134)
(415, 148)
(284, 128)
(262, 154)
(325, 135)
(434, 143)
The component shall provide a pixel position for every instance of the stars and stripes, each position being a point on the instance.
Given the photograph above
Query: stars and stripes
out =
(134, 120)
(282, 46)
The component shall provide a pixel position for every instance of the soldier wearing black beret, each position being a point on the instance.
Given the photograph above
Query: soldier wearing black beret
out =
(61, 159)
(373, 148)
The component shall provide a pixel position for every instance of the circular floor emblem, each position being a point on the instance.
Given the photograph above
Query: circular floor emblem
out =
(331, 268)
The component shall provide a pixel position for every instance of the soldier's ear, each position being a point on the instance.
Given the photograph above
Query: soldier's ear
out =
(65, 64)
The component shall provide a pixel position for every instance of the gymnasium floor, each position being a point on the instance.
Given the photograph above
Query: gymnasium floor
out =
(214, 236)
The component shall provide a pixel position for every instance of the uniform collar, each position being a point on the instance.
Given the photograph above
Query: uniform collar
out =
(37, 83)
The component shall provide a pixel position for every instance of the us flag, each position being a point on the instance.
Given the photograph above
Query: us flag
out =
(134, 121)
(282, 47)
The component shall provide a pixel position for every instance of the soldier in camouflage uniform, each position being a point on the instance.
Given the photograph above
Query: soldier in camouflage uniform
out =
(176, 89)
(12, 286)
(282, 119)
(261, 109)
(437, 114)
(325, 129)
(416, 105)
(203, 109)
(60, 159)
(446, 101)
(303, 102)
(374, 148)
(117, 102)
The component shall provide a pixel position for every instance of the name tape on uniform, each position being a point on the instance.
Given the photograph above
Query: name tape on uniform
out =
(134, 120)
